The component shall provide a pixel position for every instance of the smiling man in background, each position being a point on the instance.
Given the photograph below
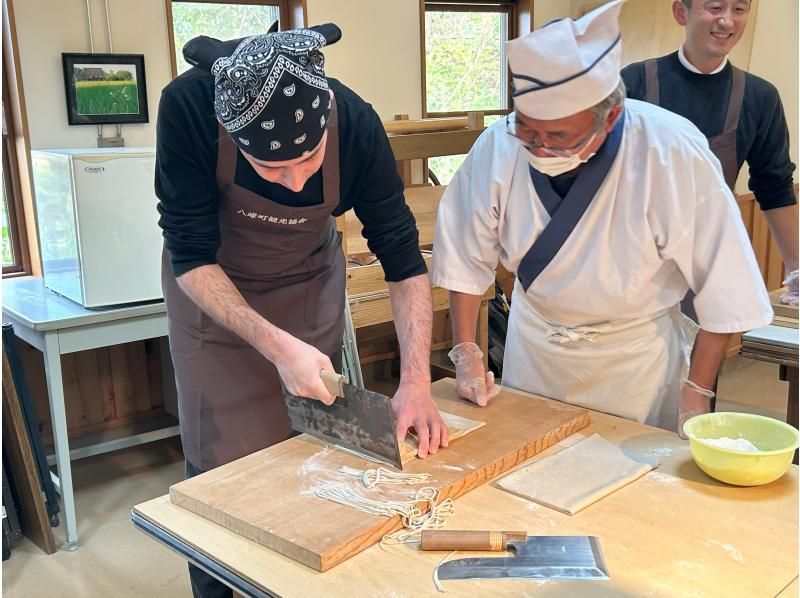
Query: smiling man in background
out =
(740, 114)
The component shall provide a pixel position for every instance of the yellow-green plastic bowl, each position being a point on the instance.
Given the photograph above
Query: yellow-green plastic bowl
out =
(776, 441)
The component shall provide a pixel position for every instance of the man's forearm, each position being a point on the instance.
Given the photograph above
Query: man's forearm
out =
(783, 225)
(464, 310)
(709, 351)
(211, 289)
(412, 308)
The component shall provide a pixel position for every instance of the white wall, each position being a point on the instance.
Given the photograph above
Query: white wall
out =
(382, 64)
(545, 11)
(775, 58)
(378, 56)
(45, 28)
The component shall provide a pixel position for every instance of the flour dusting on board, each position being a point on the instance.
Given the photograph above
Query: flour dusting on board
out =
(660, 451)
(663, 478)
(732, 551)
(320, 469)
(323, 469)
(688, 566)
(450, 467)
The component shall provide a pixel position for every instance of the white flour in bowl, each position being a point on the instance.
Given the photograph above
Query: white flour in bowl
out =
(736, 444)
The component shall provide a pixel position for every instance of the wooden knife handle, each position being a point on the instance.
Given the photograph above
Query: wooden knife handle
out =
(468, 540)
(333, 382)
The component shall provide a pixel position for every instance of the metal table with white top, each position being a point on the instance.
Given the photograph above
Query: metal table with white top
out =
(673, 532)
(56, 325)
(777, 344)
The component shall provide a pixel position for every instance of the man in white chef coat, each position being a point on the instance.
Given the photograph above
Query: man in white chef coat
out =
(608, 210)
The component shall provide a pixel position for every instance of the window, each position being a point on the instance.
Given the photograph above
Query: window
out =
(223, 19)
(14, 248)
(464, 66)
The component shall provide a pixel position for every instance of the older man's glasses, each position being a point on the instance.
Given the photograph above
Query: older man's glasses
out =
(530, 141)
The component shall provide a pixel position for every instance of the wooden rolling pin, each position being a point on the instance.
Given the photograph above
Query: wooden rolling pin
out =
(468, 540)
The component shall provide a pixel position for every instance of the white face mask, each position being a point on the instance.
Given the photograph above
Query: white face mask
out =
(556, 165)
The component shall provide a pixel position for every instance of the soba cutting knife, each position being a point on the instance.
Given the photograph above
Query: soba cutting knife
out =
(359, 420)
(534, 557)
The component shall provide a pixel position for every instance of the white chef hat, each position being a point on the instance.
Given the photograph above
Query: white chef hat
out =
(567, 66)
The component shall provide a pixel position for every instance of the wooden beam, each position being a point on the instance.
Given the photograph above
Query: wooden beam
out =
(368, 280)
(22, 137)
(298, 14)
(403, 126)
(424, 145)
(403, 166)
(36, 523)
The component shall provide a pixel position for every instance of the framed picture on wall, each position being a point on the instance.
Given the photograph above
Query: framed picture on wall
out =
(105, 89)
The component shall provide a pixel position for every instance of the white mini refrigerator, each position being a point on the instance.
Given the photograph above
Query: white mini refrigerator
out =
(98, 224)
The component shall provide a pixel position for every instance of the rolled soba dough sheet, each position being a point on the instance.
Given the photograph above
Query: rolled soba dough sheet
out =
(576, 477)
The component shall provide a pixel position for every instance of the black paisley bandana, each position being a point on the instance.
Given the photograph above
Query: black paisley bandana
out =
(270, 93)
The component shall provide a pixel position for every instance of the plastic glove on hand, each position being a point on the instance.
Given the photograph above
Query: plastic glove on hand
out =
(790, 297)
(473, 382)
(694, 401)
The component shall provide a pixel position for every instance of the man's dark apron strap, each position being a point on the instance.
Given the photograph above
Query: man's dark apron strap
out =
(724, 144)
(330, 167)
(736, 100)
(651, 95)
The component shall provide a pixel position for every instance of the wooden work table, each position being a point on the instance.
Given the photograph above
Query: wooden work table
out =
(674, 532)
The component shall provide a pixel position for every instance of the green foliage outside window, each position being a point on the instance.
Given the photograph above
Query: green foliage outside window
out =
(222, 21)
(465, 69)
(465, 62)
(8, 248)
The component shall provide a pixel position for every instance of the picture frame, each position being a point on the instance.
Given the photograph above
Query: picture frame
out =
(105, 89)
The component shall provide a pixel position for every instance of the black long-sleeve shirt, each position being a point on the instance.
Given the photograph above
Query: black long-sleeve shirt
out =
(186, 161)
(762, 136)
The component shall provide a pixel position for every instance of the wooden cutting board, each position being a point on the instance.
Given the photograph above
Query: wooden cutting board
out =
(269, 496)
(456, 428)
(781, 310)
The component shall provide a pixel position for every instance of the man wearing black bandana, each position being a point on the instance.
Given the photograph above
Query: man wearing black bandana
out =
(257, 152)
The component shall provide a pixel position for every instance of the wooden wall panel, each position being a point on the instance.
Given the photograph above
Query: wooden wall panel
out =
(33, 514)
(746, 207)
(103, 388)
(124, 396)
(766, 251)
(775, 273)
(137, 368)
(33, 365)
(155, 390)
(764, 246)
(106, 384)
(81, 376)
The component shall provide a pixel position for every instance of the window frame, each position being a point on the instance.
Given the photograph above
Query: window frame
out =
(11, 180)
(509, 7)
(283, 11)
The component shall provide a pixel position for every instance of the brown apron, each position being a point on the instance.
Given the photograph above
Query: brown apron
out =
(288, 264)
(723, 145)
